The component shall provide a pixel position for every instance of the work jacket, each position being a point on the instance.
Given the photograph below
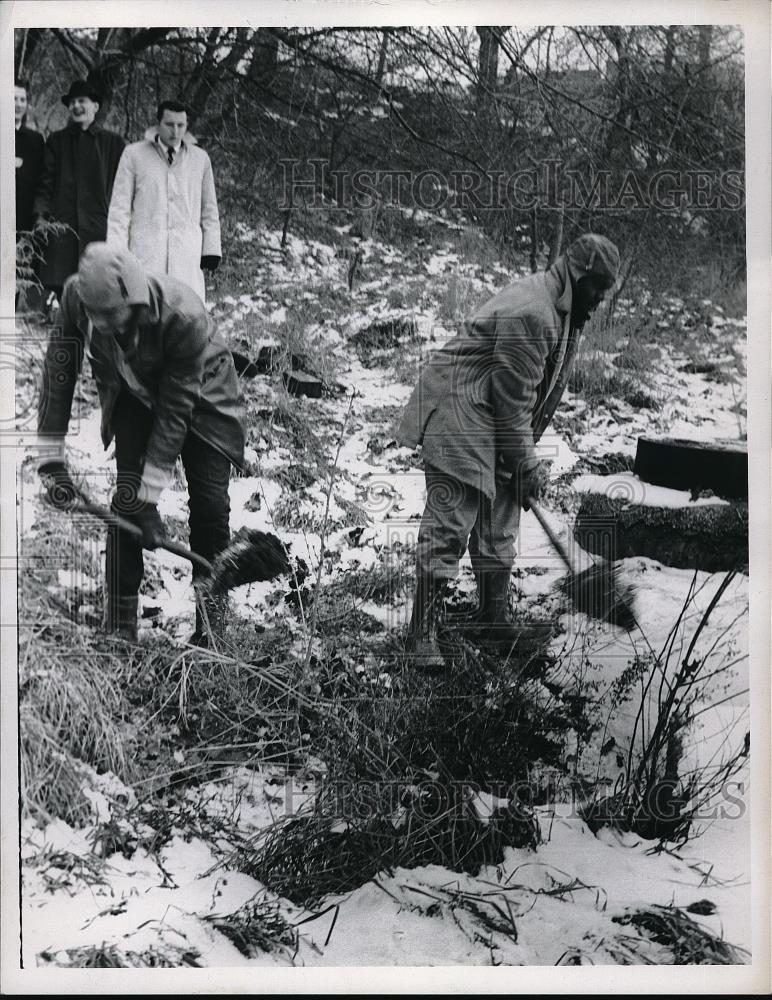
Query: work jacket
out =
(174, 362)
(75, 187)
(484, 399)
(166, 215)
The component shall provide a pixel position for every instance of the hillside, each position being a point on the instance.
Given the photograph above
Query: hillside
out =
(192, 813)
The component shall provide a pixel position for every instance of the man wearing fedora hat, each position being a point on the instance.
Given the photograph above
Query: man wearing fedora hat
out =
(167, 388)
(76, 183)
(481, 405)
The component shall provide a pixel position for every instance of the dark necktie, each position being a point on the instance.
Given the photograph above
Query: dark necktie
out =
(170, 155)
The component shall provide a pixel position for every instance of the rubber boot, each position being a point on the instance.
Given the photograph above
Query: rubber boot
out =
(494, 622)
(496, 625)
(121, 616)
(421, 642)
(211, 613)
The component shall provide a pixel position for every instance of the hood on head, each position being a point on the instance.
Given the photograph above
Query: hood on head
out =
(593, 254)
(109, 276)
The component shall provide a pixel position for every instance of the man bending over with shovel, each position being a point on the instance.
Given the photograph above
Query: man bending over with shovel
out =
(167, 388)
(480, 406)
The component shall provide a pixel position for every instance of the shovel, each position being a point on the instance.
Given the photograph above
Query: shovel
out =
(595, 590)
(251, 556)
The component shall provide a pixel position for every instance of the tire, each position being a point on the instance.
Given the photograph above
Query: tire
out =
(692, 465)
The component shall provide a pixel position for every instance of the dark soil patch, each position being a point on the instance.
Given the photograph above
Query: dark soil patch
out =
(713, 537)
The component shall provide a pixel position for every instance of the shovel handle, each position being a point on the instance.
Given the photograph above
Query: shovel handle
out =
(550, 532)
(110, 517)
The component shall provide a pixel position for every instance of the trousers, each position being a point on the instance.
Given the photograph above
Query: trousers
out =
(207, 471)
(457, 515)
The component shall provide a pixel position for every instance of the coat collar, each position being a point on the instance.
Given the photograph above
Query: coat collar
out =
(93, 128)
(151, 134)
(156, 140)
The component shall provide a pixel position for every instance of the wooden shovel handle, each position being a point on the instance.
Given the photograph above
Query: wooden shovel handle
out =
(550, 532)
(110, 517)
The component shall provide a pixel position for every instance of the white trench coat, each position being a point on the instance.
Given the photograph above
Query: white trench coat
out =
(166, 215)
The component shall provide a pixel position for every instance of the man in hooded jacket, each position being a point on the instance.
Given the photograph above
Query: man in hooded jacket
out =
(167, 388)
(481, 404)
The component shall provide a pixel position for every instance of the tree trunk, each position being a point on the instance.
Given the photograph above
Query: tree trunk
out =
(557, 237)
(534, 260)
(27, 40)
(703, 45)
(618, 142)
(229, 74)
(202, 83)
(265, 57)
(487, 69)
(669, 51)
(705, 84)
(107, 65)
(381, 68)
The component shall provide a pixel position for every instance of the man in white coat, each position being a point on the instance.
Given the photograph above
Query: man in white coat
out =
(164, 206)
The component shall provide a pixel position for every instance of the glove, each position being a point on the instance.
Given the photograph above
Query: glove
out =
(210, 262)
(146, 517)
(61, 491)
(533, 484)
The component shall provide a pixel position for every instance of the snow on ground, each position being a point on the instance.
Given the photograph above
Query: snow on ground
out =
(635, 491)
(420, 917)
(556, 901)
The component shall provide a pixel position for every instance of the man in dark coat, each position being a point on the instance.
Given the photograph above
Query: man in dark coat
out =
(167, 388)
(29, 159)
(79, 166)
(481, 404)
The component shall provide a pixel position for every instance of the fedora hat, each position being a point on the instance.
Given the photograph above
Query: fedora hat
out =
(81, 88)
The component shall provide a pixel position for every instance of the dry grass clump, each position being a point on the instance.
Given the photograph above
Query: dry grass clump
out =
(403, 764)
(597, 382)
(110, 956)
(686, 941)
(257, 927)
(74, 715)
(52, 780)
(90, 704)
(308, 857)
(227, 706)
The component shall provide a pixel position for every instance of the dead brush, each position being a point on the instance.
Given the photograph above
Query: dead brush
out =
(686, 941)
(257, 927)
(402, 768)
(305, 858)
(224, 706)
(110, 956)
(656, 797)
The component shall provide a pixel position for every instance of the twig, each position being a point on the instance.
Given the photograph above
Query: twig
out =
(322, 541)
